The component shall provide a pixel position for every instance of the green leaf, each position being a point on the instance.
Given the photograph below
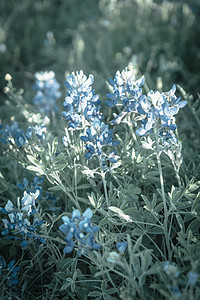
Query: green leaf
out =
(194, 186)
(83, 186)
(137, 244)
(37, 170)
(54, 145)
(92, 182)
(65, 286)
(120, 213)
(196, 202)
(55, 188)
(194, 226)
(34, 160)
(103, 221)
(137, 231)
(92, 199)
(156, 230)
(12, 250)
(57, 168)
(94, 294)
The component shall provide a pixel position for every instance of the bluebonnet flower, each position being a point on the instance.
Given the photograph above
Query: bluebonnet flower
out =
(175, 291)
(126, 90)
(9, 272)
(160, 108)
(81, 101)
(51, 201)
(79, 230)
(192, 278)
(47, 92)
(35, 185)
(17, 226)
(171, 269)
(13, 134)
(97, 136)
(121, 246)
(65, 141)
(113, 257)
(38, 130)
(167, 138)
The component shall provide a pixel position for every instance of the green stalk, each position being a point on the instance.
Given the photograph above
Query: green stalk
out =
(165, 223)
(104, 181)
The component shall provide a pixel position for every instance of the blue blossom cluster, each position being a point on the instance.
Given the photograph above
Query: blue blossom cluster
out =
(34, 186)
(51, 201)
(14, 133)
(47, 92)
(192, 278)
(79, 230)
(9, 272)
(160, 108)
(18, 226)
(81, 101)
(37, 130)
(126, 90)
(171, 269)
(121, 246)
(155, 109)
(97, 136)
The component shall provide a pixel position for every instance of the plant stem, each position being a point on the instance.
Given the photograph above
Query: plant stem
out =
(104, 181)
(165, 223)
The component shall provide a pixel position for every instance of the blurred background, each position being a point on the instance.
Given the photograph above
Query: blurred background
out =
(159, 38)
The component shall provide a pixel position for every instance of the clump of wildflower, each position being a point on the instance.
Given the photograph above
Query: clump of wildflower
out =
(47, 92)
(13, 134)
(175, 291)
(79, 230)
(18, 225)
(9, 272)
(121, 246)
(37, 130)
(51, 201)
(98, 136)
(127, 93)
(159, 110)
(192, 278)
(171, 269)
(113, 257)
(81, 101)
(34, 186)
(126, 90)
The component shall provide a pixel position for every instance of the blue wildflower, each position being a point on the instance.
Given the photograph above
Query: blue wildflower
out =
(37, 130)
(10, 272)
(79, 230)
(47, 92)
(13, 134)
(176, 291)
(167, 138)
(17, 226)
(192, 278)
(160, 108)
(126, 91)
(121, 246)
(81, 101)
(171, 269)
(35, 185)
(97, 136)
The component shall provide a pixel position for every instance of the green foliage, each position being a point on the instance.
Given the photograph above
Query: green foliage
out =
(159, 39)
